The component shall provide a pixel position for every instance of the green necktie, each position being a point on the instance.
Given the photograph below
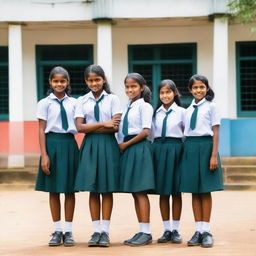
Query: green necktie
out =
(63, 113)
(125, 123)
(164, 123)
(193, 118)
(97, 109)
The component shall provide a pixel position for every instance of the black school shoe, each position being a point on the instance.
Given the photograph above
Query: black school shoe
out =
(166, 237)
(207, 240)
(195, 240)
(176, 237)
(136, 236)
(95, 238)
(143, 239)
(56, 238)
(104, 240)
(68, 239)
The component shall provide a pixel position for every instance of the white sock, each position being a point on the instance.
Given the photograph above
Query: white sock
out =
(145, 228)
(205, 226)
(175, 225)
(140, 224)
(57, 225)
(167, 225)
(198, 226)
(105, 225)
(96, 226)
(68, 226)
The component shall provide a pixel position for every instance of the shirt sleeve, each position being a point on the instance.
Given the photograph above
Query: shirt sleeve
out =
(146, 115)
(42, 109)
(215, 115)
(115, 106)
(79, 108)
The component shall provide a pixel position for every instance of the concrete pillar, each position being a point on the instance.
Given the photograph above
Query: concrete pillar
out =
(220, 64)
(104, 47)
(16, 121)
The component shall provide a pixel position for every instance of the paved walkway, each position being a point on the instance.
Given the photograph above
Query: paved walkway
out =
(26, 225)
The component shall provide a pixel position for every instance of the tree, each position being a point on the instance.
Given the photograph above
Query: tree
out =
(243, 11)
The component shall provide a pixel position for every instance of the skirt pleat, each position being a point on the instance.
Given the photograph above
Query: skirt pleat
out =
(196, 177)
(63, 153)
(98, 169)
(167, 153)
(136, 168)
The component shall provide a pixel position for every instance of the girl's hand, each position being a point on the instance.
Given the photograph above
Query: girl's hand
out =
(111, 123)
(213, 163)
(122, 147)
(45, 163)
(116, 120)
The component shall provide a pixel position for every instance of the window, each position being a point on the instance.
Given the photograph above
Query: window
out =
(165, 61)
(246, 79)
(4, 87)
(74, 58)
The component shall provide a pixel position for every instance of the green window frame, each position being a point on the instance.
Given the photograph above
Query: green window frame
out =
(75, 58)
(4, 84)
(156, 62)
(246, 78)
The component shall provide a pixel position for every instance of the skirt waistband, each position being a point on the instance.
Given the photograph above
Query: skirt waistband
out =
(168, 139)
(199, 138)
(129, 137)
(61, 136)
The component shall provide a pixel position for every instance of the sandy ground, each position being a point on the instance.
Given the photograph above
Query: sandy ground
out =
(26, 226)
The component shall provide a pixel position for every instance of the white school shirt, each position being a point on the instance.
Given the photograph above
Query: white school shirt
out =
(207, 116)
(48, 109)
(174, 124)
(108, 106)
(139, 117)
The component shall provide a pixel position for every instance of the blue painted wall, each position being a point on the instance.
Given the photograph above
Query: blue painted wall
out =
(238, 137)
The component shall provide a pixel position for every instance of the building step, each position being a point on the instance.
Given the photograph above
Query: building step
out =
(239, 186)
(241, 178)
(239, 169)
(238, 161)
(14, 176)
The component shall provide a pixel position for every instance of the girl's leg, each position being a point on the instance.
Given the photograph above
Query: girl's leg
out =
(137, 208)
(206, 199)
(69, 211)
(107, 206)
(94, 204)
(197, 210)
(176, 213)
(54, 199)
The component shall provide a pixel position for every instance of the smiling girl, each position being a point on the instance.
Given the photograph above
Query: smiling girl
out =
(98, 116)
(201, 169)
(136, 174)
(167, 131)
(59, 152)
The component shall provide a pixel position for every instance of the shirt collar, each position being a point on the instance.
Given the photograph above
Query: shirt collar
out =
(199, 103)
(90, 95)
(53, 97)
(136, 102)
(173, 107)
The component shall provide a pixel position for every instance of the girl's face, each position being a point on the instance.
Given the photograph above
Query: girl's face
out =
(95, 82)
(198, 90)
(166, 95)
(133, 89)
(59, 83)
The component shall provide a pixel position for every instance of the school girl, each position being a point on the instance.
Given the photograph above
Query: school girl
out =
(136, 166)
(201, 169)
(167, 131)
(59, 152)
(98, 116)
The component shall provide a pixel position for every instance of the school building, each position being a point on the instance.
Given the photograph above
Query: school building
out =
(157, 38)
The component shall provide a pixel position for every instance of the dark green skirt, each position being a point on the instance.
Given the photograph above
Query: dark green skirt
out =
(63, 152)
(98, 169)
(196, 177)
(167, 153)
(136, 168)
